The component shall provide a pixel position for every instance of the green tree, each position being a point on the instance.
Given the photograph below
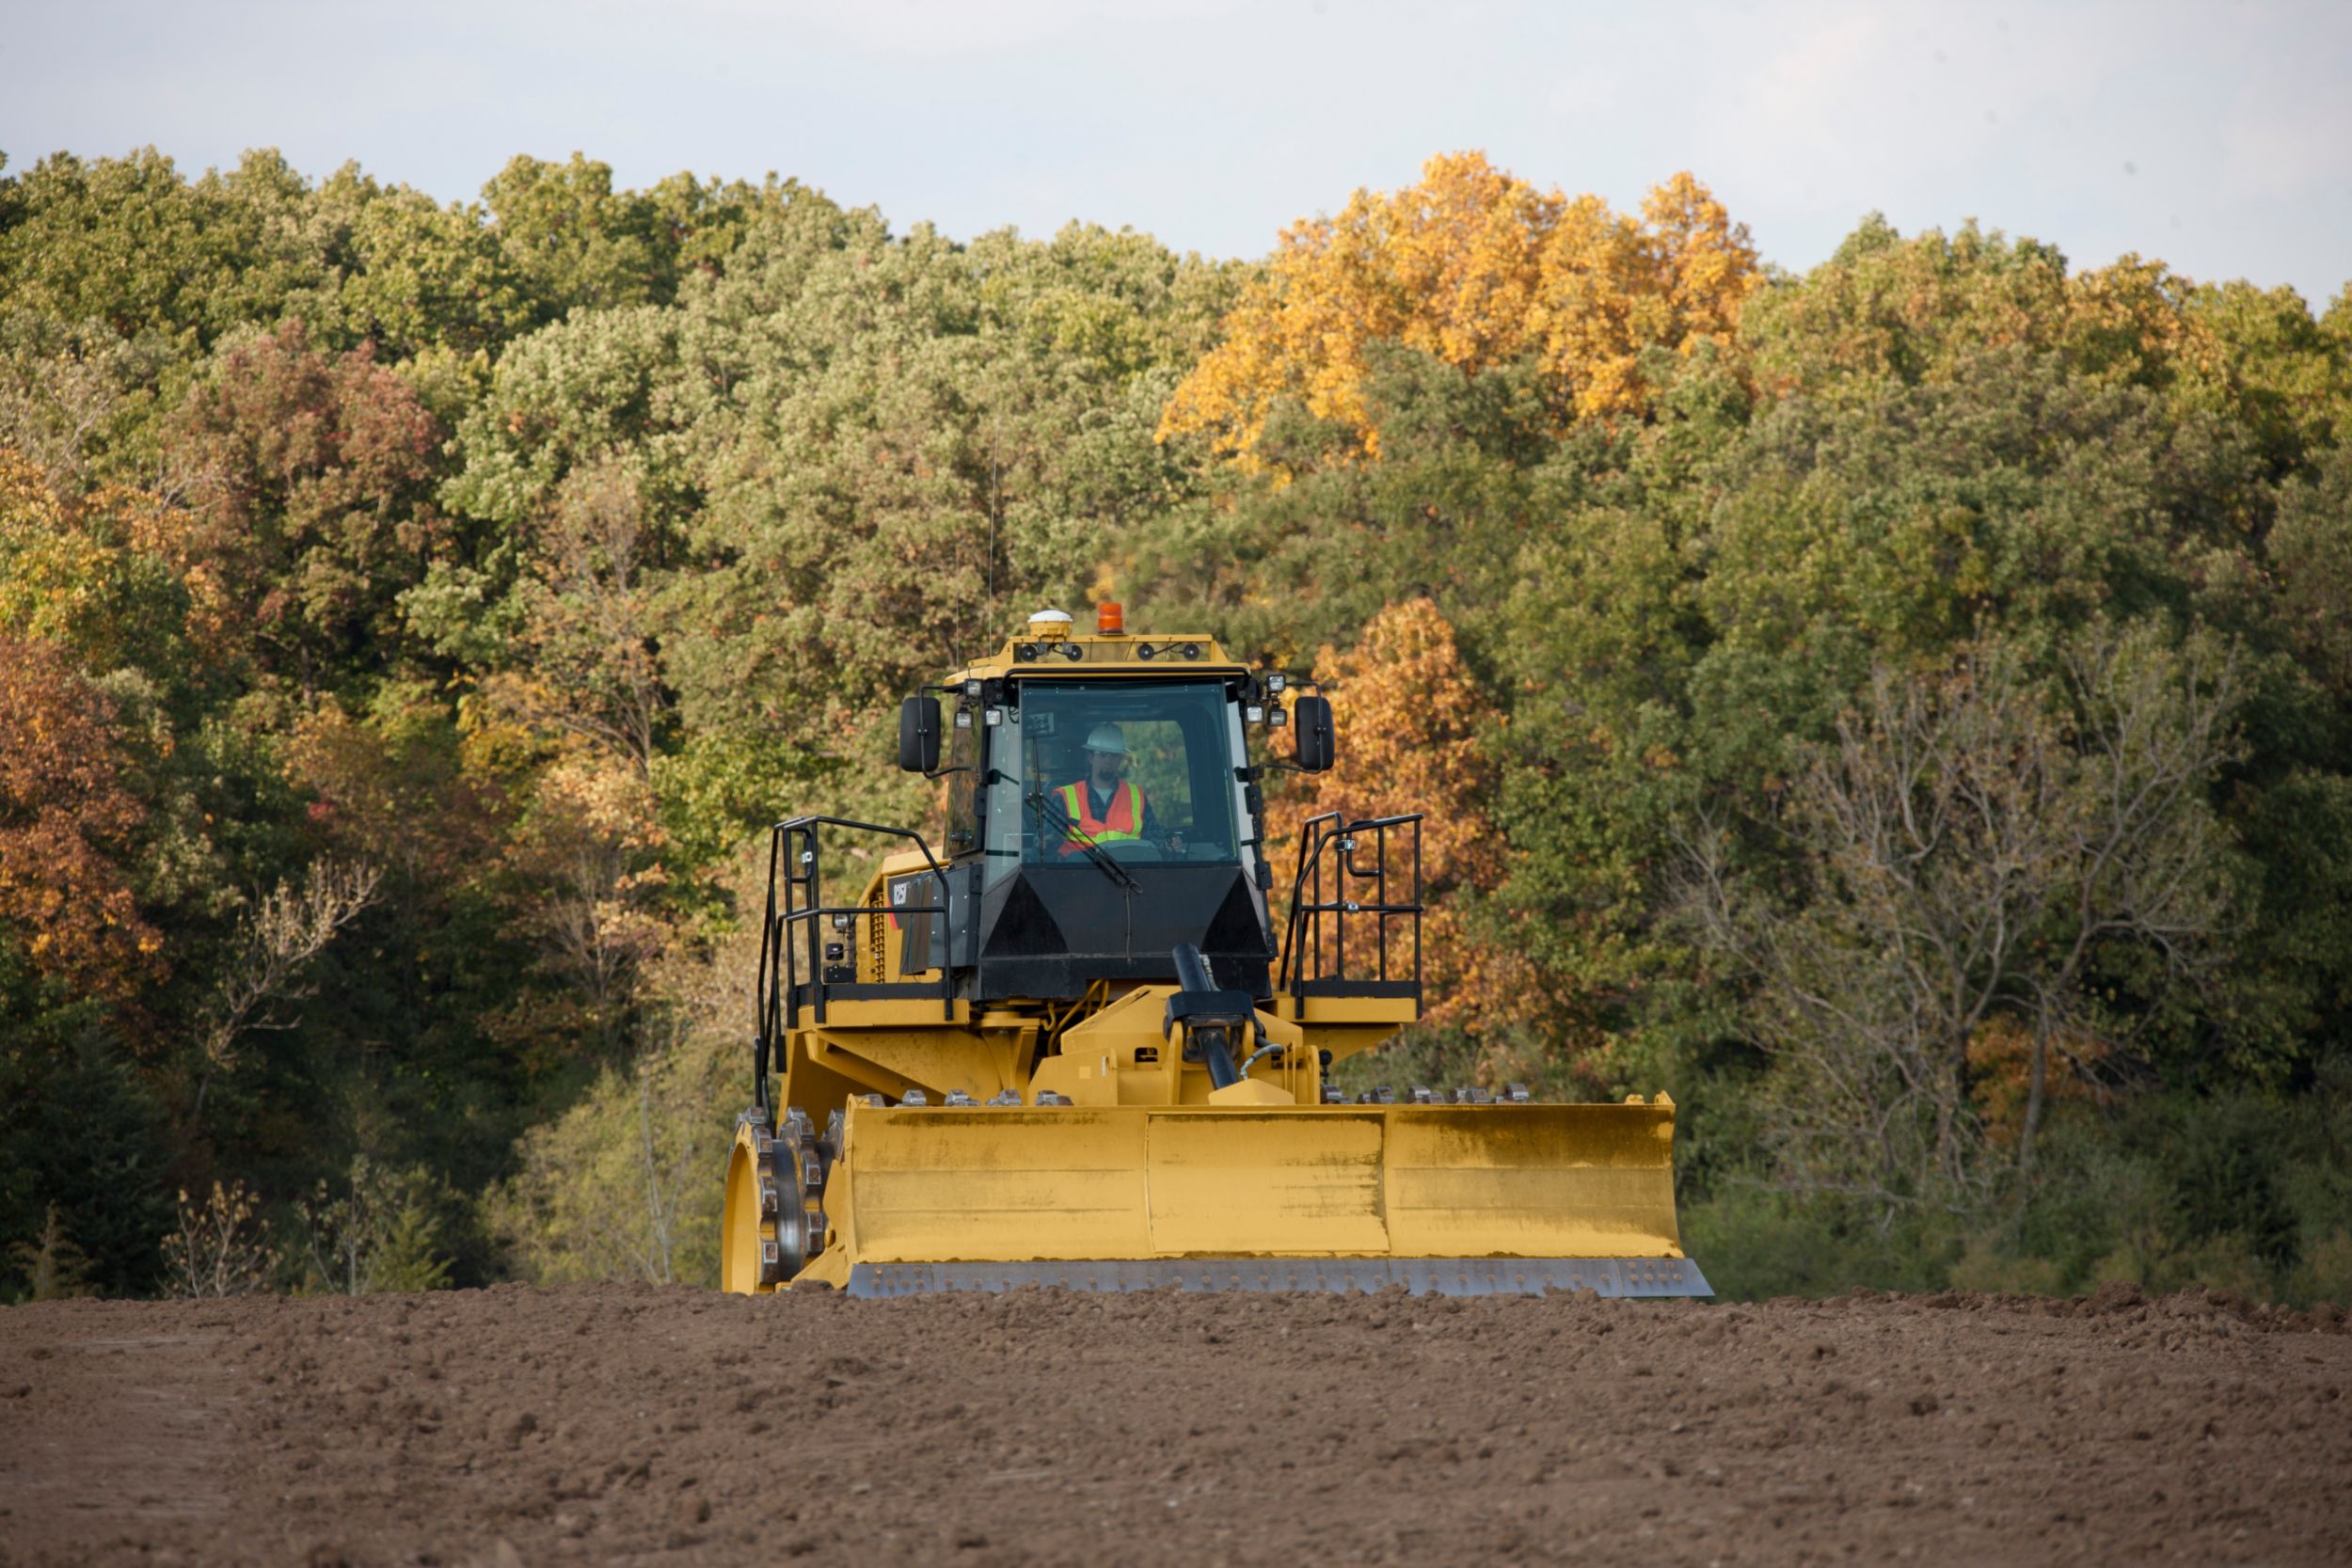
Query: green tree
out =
(409, 275)
(312, 476)
(382, 1233)
(130, 242)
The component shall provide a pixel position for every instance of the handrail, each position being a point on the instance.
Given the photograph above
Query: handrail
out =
(1302, 944)
(777, 1003)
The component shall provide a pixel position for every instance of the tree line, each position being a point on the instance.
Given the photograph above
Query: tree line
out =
(1903, 710)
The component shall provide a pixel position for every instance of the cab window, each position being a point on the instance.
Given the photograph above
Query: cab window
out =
(1173, 742)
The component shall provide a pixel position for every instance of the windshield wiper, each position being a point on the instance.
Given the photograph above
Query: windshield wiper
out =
(1071, 832)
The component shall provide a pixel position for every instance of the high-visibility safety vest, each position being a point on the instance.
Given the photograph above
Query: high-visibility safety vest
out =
(1124, 819)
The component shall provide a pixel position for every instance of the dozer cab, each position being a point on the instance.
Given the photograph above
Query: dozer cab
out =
(1073, 1045)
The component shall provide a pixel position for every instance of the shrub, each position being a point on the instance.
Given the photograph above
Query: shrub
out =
(220, 1247)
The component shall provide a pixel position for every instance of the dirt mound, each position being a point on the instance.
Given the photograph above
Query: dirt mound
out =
(521, 1426)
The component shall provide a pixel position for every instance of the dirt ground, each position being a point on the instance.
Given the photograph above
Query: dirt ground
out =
(522, 1426)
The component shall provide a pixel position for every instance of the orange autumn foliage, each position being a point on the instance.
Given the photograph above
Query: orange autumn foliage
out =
(66, 826)
(1408, 716)
(112, 576)
(1477, 268)
(2000, 1064)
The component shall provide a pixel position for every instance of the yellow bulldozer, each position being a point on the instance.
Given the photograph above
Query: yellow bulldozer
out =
(1072, 1045)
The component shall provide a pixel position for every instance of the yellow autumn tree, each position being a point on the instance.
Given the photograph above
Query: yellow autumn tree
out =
(1477, 268)
(1408, 715)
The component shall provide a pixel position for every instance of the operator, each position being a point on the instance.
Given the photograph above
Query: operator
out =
(1108, 808)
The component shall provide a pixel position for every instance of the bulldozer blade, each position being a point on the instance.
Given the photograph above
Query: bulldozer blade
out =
(1477, 1199)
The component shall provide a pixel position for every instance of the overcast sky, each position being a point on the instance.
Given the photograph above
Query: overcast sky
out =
(2217, 137)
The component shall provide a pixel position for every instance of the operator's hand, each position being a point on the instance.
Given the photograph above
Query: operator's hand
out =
(1175, 844)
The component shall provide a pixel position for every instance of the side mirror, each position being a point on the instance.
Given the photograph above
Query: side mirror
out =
(1311, 720)
(918, 735)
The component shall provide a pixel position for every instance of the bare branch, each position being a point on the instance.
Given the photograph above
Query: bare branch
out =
(1970, 850)
(289, 928)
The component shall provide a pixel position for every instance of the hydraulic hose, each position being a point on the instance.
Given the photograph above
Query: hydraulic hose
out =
(1213, 1033)
(1192, 970)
